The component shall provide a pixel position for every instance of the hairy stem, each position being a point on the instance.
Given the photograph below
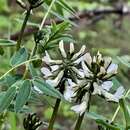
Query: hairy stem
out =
(54, 115)
(23, 28)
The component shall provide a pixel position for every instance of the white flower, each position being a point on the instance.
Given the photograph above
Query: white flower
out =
(55, 82)
(81, 108)
(114, 97)
(69, 92)
(68, 65)
(46, 72)
(97, 89)
(88, 58)
(62, 50)
(119, 93)
(107, 85)
(81, 52)
(78, 72)
(54, 67)
(71, 48)
(99, 56)
(107, 62)
(94, 59)
(49, 61)
(87, 72)
(104, 88)
(112, 69)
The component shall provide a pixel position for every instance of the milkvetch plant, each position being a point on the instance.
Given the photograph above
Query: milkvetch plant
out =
(73, 76)
(58, 72)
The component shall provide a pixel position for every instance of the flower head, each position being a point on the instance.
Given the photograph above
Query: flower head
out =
(98, 72)
(67, 67)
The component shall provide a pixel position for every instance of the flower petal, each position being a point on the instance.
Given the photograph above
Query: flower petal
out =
(54, 67)
(119, 93)
(86, 70)
(49, 61)
(107, 62)
(69, 92)
(62, 50)
(94, 59)
(109, 96)
(99, 57)
(46, 72)
(79, 60)
(55, 82)
(80, 53)
(107, 85)
(80, 109)
(88, 59)
(78, 72)
(112, 68)
(97, 89)
(71, 48)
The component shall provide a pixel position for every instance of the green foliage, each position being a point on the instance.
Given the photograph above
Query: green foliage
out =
(18, 93)
(4, 42)
(7, 98)
(19, 57)
(125, 60)
(23, 95)
(126, 111)
(100, 120)
(46, 88)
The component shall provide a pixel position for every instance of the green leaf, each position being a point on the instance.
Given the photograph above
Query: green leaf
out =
(2, 94)
(5, 42)
(23, 95)
(46, 88)
(19, 57)
(102, 121)
(25, 109)
(32, 70)
(126, 111)
(7, 99)
(125, 60)
(45, 6)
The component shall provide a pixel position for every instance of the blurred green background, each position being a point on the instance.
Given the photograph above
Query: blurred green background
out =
(110, 34)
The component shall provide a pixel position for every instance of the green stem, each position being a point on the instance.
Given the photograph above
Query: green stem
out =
(54, 115)
(81, 117)
(118, 108)
(26, 62)
(23, 28)
(79, 122)
(32, 54)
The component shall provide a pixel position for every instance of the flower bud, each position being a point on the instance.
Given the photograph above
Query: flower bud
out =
(71, 48)
(62, 50)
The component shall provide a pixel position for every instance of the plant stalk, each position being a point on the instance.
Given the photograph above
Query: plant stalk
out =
(81, 117)
(54, 115)
(79, 122)
(118, 108)
(23, 28)
(27, 65)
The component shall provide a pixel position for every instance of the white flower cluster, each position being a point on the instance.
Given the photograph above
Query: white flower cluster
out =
(83, 76)
(66, 67)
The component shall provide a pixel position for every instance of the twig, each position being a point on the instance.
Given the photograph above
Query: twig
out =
(84, 15)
